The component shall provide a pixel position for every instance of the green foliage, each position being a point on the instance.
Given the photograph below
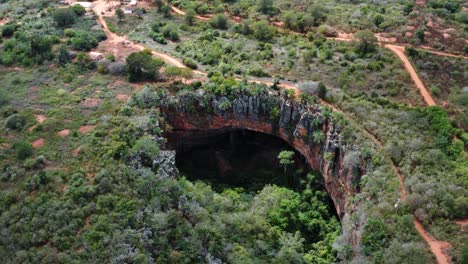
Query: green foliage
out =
(375, 236)
(146, 146)
(23, 149)
(366, 42)
(265, 6)
(158, 37)
(171, 32)
(286, 158)
(8, 30)
(219, 21)
(84, 41)
(190, 63)
(263, 31)
(142, 66)
(120, 14)
(16, 122)
(64, 16)
(189, 17)
(440, 124)
(78, 10)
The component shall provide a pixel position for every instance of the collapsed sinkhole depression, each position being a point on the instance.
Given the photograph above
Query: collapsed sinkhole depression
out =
(247, 162)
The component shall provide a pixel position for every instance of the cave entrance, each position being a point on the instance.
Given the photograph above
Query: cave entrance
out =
(237, 158)
(229, 158)
(248, 161)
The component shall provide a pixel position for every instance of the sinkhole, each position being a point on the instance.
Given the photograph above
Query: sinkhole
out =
(247, 162)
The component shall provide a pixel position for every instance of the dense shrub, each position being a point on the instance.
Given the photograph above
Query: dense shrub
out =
(190, 63)
(263, 31)
(23, 149)
(142, 66)
(158, 37)
(219, 21)
(78, 10)
(64, 16)
(8, 30)
(171, 32)
(15, 121)
(84, 41)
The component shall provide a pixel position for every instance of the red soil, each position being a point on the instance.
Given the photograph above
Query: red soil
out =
(86, 129)
(40, 118)
(64, 133)
(76, 151)
(39, 143)
(122, 97)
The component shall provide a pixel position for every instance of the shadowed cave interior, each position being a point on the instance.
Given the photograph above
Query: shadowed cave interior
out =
(233, 158)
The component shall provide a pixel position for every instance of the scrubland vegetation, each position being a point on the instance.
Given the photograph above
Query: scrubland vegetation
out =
(80, 136)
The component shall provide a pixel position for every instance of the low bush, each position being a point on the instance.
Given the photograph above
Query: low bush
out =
(16, 122)
(190, 63)
(23, 149)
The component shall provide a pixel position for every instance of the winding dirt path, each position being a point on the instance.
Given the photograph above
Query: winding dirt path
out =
(400, 52)
(438, 248)
(100, 8)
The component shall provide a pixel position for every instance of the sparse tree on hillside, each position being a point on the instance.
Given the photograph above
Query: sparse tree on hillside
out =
(265, 6)
(366, 42)
(142, 66)
(64, 16)
(190, 17)
(120, 14)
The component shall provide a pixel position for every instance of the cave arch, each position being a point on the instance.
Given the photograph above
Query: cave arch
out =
(295, 124)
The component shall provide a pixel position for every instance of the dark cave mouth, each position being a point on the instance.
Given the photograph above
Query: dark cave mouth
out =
(236, 158)
(233, 158)
(247, 162)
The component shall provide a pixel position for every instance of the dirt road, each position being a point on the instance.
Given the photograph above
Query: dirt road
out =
(400, 52)
(100, 8)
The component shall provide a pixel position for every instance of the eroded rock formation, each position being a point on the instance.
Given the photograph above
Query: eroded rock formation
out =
(307, 127)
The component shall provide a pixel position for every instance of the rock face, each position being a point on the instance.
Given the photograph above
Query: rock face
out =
(307, 128)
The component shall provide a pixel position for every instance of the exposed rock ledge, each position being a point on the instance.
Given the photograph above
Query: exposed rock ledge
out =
(340, 163)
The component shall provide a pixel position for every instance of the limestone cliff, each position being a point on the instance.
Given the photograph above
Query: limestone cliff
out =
(309, 128)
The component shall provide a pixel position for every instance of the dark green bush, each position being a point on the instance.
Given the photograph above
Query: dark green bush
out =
(84, 41)
(64, 16)
(8, 30)
(219, 21)
(16, 121)
(190, 63)
(158, 37)
(78, 10)
(23, 149)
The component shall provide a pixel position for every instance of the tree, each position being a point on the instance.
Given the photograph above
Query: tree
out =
(64, 16)
(289, 20)
(16, 122)
(142, 66)
(366, 42)
(265, 6)
(84, 41)
(318, 13)
(219, 21)
(420, 34)
(120, 14)
(286, 158)
(24, 150)
(321, 90)
(190, 17)
(78, 10)
(318, 136)
(263, 31)
(165, 10)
